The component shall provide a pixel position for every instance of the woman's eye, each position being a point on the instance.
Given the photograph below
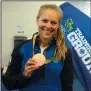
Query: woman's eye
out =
(53, 23)
(45, 21)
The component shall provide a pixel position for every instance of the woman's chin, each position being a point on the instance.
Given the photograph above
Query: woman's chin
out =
(47, 38)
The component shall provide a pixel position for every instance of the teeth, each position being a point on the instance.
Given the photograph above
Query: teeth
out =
(47, 30)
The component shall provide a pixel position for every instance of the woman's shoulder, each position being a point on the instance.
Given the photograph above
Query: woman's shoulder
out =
(27, 42)
(21, 45)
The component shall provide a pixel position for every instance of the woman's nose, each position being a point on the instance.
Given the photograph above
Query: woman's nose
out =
(48, 25)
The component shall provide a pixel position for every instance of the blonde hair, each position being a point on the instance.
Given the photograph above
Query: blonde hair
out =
(59, 37)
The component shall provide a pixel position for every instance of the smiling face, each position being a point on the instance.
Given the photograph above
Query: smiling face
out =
(48, 24)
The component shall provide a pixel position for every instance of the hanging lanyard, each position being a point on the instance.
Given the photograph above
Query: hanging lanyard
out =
(48, 60)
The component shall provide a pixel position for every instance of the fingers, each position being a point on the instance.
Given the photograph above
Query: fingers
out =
(28, 70)
(30, 66)
(31, 62)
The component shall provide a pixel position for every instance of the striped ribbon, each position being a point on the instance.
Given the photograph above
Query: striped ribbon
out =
(47, 60)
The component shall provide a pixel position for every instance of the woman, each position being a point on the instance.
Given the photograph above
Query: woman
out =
(56, 74)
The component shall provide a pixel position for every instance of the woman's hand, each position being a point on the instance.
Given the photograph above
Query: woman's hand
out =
(30, 66)
(34, 63)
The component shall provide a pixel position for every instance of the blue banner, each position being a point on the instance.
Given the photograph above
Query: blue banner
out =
(76, 27)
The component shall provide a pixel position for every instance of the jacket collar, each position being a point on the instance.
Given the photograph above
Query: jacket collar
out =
(36, 40)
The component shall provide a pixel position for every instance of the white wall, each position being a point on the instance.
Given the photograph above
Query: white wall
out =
(84, 6)
(23, 13)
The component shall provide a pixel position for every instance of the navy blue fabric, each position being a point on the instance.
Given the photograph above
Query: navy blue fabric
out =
(48, 77)
(26, 51)
(76, 26)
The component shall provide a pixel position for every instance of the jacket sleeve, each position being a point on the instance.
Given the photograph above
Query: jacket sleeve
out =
(67, 73)
(14, 78)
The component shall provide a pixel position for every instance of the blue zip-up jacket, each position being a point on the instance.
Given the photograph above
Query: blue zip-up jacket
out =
(55, 76)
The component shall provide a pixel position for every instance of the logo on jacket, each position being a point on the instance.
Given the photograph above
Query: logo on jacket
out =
(68, 24)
